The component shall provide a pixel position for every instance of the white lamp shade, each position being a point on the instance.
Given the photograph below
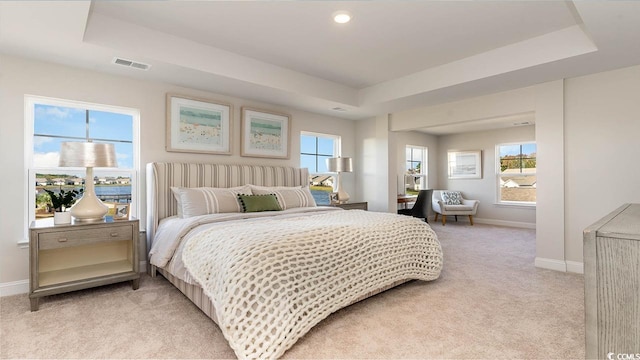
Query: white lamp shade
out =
(340, 164)
(89, 155)
(86, 154)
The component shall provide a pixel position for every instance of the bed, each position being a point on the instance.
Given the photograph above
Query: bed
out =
(267, 277)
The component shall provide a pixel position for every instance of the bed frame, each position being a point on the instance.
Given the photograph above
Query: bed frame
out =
(161, 204)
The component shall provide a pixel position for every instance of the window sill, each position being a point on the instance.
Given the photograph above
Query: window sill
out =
(516, 206)
(23, 244)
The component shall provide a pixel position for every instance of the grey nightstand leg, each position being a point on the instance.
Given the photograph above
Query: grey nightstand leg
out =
(135, 284)
(34, 304)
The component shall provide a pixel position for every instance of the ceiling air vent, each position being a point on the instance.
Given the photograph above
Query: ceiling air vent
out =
(131, 63)
(338, 109)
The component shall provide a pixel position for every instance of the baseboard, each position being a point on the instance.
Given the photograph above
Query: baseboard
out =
(516, 224)
(14, 288)
(22, 286)
(575, 267)
(551, 264)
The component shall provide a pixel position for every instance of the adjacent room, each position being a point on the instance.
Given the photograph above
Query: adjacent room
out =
(306, 179)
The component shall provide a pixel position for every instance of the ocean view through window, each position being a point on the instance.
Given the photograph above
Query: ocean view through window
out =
(55, 121)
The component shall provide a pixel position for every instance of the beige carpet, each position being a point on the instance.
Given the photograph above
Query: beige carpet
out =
(490, 303)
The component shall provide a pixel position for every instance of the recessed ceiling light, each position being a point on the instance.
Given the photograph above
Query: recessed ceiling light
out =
(341, 17)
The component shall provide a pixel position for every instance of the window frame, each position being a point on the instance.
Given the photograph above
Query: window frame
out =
(423, 175)
(337, 151)
(30, 102)
(499, 201)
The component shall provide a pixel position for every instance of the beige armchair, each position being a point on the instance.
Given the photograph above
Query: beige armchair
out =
(452, 203)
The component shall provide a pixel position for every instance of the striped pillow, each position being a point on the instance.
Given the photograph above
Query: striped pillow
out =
(288, 197)
(207, 200)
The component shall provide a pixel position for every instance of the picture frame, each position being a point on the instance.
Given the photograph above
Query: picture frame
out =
(265, 134)
(333, 198)
(197, 125)
(112, 208)
(121, 211)
(465, 164)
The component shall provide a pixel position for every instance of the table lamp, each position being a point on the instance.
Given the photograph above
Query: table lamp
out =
(87, 154)
(340, 165)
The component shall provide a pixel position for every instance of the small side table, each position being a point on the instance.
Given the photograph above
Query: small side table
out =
(353, 205)
(64, 258)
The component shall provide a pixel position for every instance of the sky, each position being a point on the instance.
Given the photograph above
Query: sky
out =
(527, 149)
(71, 123)
(325, 147)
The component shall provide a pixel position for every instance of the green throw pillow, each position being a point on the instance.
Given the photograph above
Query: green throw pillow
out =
(255, 203)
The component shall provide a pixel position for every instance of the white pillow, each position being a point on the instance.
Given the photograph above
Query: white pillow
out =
(288, 197)
(206, 200)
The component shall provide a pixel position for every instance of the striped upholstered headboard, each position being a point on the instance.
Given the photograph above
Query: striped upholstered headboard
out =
(162, 176)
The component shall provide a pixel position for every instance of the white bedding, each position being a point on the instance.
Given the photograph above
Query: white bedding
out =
(173, 232)
(272, 278)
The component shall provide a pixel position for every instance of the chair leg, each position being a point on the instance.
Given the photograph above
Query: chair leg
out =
(456, 218)
(471, 219)
(444, 219)
(436, 218)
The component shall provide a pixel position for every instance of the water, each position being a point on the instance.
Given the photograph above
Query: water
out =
(321, 197)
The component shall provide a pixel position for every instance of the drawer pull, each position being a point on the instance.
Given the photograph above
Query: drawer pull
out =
(114, 234)
(62, 239)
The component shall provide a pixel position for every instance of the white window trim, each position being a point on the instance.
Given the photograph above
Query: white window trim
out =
(423, 168)
(511, 204)
(29, 102)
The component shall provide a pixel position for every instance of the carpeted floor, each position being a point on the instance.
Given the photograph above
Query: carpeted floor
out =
(489, 303)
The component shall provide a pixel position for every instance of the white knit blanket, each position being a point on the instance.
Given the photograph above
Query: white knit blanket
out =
(272, 280)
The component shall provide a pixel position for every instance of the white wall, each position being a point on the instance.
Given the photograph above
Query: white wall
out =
(550, 217)
(20, 76)
(602, 149)
(485, 189)
(376, 163)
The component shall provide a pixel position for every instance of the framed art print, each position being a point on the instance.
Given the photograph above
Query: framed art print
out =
(265, 134)
(465, 164)
(198, 125)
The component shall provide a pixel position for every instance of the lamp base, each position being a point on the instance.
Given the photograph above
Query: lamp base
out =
(343, 197)
(88, 220)
(89, 209)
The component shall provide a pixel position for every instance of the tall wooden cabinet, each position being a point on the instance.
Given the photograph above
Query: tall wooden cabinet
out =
(612, 284)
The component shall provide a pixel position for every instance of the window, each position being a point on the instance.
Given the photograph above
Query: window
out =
(315, 149)
(516, 173)
(415, 177)
(50, 122)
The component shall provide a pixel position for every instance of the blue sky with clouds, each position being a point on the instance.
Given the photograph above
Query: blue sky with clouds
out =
(71, 124)
(527, 149)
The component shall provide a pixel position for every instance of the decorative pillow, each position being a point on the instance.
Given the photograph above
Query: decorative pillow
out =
(205, 200)
(255, 203)
(288, 197)
(452, 197)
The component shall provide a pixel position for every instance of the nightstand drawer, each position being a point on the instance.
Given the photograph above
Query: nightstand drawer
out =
(55, 240)
(353, 205)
